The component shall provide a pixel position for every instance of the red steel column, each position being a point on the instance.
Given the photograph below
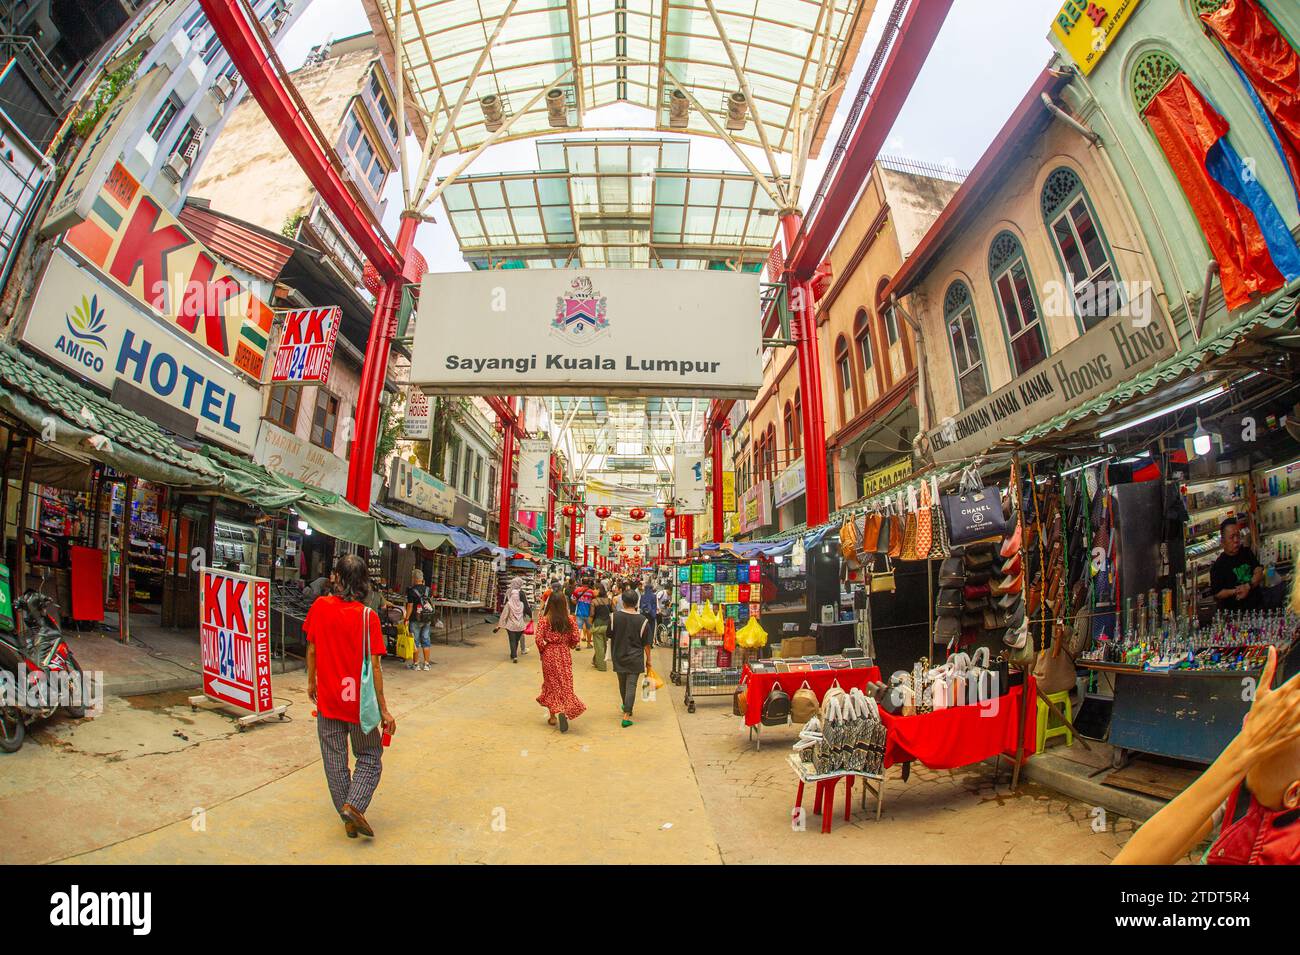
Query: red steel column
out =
(810, 388)
(715, 453)
(506, 519)
(689, 533)
(573, 519)
(373, 373)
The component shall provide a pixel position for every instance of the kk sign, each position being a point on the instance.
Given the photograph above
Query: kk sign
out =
(235, 638)
(307, 347)
(1085, 28)
(138, 244)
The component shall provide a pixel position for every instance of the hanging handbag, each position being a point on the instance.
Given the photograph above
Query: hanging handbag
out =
(803, 705)
(776, 708)
(940, 547)
(883, 583)
(886, 529)
(1054, 669)
(908, 550)
(849, 541)
(975, 512)
(871, 532)
(924, 524)
(740, 700)
(895, 536)
(369, 699)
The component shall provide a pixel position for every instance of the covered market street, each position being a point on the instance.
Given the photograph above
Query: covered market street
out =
(475, 775)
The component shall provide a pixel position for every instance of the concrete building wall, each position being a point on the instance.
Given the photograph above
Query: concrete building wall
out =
(1015, 206)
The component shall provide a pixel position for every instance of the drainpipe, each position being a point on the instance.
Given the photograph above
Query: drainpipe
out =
(1070, 121)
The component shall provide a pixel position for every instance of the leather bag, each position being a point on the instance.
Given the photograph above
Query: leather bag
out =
(975, 512)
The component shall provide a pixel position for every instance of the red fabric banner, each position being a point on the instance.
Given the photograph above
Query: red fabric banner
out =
(963, 735)
(1187, 126)
(87, 584)
(1269, 62)
(760, 685)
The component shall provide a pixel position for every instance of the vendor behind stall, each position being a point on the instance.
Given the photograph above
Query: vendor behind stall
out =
(1236, 574)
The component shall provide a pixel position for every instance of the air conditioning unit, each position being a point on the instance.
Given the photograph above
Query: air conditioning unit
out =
(223, 88)
(176, 167)
(679, 547)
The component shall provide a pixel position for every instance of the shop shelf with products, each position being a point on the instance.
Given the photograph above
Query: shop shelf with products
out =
(736, 591)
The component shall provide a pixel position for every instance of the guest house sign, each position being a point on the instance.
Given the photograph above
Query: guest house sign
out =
(1118, 349)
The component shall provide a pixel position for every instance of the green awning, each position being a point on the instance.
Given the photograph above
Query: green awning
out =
(1187, 361)
(68, 415)
(324, 511)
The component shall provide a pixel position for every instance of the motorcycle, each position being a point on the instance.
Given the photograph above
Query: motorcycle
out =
(40, 664)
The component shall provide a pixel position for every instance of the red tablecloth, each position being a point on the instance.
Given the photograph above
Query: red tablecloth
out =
(962, 735)
(760, 685)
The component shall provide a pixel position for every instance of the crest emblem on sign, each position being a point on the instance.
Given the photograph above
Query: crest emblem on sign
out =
(580, 315)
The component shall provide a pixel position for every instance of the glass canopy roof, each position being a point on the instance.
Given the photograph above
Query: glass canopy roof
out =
(611, 203)
(793, 53)
(626, 441)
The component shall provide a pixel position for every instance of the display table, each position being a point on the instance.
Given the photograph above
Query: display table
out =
(962, 735)
(460, 611)
(760, 685)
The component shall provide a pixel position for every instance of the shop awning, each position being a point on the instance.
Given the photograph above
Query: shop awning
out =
(1186, 362)
(465, 543)
(75, 419)
(404, 529)
(324, 511)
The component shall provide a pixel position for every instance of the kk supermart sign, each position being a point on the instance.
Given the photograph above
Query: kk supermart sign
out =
(145, 250)
(235, 638)
(307, 347)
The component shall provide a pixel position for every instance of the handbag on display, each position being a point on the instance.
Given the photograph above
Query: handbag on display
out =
(895, 534)
(924, 524)
(740, 700)
(975, 512)
(908, 550)
(871, 532)
(776, 708)
(883, 583)
(952, 572)
(804, 705)
(940, 546)
(849, 541)
(1054, 670)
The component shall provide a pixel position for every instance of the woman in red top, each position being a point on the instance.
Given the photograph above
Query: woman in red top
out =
(557, 636)
(340, 631)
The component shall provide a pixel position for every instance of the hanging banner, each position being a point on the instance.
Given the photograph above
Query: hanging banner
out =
(1085, 29)
(88, 327)
(588, 332)
(1109, 354)
(306, 349)
(755, 507)
(688, 477)
(235, 638)
(658, 526)
(728, 492)
(789, 484)
(144, 250)
(420, 490)
(534, 474)
(416, 424)
(887, 475)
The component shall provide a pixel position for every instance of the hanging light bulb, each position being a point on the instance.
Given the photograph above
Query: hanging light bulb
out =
(1201, 441)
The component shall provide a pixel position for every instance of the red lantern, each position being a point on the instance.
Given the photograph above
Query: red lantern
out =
(670, 513)
(602, 512)
(568, 510)
(637, 513)
(636, 537)
(616, 538)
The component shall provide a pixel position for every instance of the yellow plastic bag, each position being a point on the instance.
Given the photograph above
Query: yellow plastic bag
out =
(405, 642)
(655, 680)
(708, 619)
(693, 622)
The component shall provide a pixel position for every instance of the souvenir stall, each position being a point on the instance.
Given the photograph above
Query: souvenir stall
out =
(720, 630)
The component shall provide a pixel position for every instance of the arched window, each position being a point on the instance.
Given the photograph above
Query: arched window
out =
(771, 451)
(862, 336)
(963, 338)
(1081, 246)
(887, 314)
(791, 441)
(1014, 289)
(844, 380)
(798, 424)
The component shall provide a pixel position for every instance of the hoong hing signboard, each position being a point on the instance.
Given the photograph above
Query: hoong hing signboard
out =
(307, 346)
(590, 331)
(235, 638)
(1111, 353)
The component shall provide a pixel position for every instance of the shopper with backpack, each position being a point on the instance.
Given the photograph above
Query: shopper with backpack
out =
(419, 620)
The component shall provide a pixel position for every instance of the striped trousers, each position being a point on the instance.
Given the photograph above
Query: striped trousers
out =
(355, 787)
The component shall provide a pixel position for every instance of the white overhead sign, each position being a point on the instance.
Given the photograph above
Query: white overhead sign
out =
(534, 475)
(88, 327)
(688, 477)
(589, 332)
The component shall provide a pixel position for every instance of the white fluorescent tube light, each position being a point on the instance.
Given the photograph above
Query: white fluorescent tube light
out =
(1168, 409)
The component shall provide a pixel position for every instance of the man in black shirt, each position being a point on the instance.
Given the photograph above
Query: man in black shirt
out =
(1235, 575)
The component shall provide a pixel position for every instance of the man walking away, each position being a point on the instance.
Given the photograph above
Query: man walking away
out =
(650, 607)
(630, 637)
(419, 619)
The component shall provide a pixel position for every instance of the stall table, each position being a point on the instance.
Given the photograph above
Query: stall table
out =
(760, 685)
(464, 606)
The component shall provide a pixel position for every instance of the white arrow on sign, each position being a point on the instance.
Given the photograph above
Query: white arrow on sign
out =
(237, 692)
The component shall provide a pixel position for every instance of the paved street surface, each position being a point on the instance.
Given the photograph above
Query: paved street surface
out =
(475, 775)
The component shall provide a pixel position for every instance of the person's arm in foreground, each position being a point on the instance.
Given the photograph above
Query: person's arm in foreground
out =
(1272, 723)
(311, 672)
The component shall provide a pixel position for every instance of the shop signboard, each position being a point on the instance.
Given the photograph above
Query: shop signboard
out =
(88, 327)
(306, 349)
(235, 638)
(789, 484)
(588, 332)
(131, 239)
(1085, 28)
(1113, 352)
(415, 426)
(285, 453)
(887, 475)
(98, 156)
(6, 600)
(688, 477)
(728, 491)
(534, 474)
(756, 507)
(419, 489)
(470, 516)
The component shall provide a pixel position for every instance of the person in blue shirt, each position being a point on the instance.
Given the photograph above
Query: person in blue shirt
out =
(650, 606)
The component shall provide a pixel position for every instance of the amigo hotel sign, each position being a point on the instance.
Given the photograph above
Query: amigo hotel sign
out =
(589, 331)
(1111, 353)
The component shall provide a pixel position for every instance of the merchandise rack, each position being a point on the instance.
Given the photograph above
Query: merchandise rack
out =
(716, 581)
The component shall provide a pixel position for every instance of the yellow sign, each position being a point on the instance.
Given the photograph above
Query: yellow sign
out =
(728, 491)
(873, 482)
(132, 239)
(1085, 28)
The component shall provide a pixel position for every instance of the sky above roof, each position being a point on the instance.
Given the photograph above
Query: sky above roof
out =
(986, 56)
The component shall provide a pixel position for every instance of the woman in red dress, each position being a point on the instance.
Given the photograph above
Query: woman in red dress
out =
(556, 636)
